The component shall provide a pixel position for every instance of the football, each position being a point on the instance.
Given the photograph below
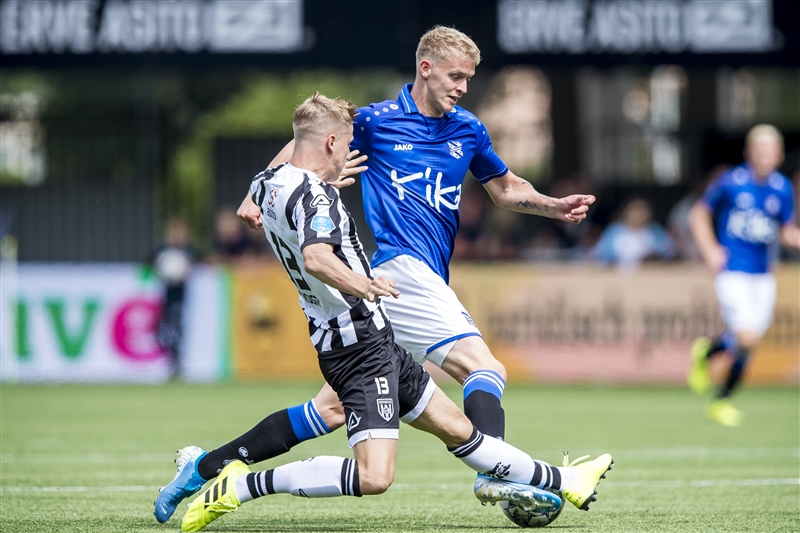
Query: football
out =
(534, 518)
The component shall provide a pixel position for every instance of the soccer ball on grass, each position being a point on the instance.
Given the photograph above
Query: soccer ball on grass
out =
(533, 518)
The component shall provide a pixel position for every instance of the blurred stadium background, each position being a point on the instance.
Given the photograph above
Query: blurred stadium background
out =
(128, 123)
(117, 116)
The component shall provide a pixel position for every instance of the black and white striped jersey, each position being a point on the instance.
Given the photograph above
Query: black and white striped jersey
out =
(299, 209)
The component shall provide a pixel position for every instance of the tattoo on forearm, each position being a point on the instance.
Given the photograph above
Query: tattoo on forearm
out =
(527, 204)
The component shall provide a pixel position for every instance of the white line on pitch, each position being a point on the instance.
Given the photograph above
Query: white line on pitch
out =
(449, 486)
(678, 453)
(662, 484)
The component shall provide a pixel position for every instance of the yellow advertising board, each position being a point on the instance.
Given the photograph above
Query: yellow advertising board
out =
(558, 324)
(269, 330)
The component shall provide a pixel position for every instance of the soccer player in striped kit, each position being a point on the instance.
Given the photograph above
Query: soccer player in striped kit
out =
(377, 381)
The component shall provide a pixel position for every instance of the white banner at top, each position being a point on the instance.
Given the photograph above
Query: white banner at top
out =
(150, 26)
(634, 27)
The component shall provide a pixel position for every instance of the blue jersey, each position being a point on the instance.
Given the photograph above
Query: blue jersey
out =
(417, 166)
(749, 216)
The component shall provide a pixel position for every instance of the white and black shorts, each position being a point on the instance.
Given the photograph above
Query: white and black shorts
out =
(379, 385)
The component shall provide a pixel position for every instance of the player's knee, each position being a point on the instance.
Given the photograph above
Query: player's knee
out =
(333, 416)
(466, 359)
(747, 339)
(375, 482)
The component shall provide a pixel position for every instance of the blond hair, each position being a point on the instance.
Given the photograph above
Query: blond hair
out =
(320, 115)
(441, 43)
(763, 130)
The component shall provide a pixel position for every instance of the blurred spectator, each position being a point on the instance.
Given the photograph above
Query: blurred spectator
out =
(232, 240)
(172, 263)
(678, 218)
(634, 238)
(547, 245)
(471, 210)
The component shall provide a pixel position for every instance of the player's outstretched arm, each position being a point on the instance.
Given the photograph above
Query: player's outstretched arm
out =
(322, 263)
(702, 228)
(514, 193)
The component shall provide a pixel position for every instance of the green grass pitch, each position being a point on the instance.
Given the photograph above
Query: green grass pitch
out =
(91, 459)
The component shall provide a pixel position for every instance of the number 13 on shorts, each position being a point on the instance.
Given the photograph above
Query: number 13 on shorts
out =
(382, 384)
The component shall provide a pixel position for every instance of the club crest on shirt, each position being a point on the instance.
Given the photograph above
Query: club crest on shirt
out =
(386, 408)
(272, 195)
(455, 149)
(322, 224)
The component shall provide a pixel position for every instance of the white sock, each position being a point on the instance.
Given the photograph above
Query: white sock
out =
(498, 458)
(567, 476)
(316, 477)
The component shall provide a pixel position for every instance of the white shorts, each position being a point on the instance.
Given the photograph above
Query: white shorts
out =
(427, 319)
(746, 301)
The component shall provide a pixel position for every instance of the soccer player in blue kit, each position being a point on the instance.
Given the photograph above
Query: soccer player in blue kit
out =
(420, 148)
(753, 205)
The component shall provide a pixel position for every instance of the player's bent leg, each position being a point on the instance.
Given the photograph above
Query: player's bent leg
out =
(330, 408)
(376, 461)
(278, 433)
(505, 472)
(468, 355)
(472, 364)
(315, 477)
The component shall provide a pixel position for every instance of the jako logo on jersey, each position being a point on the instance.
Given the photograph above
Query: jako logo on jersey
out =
(386, 408)
(353, 421)
(322, 224)
(403, 147)
(319, 200)
(455, 149)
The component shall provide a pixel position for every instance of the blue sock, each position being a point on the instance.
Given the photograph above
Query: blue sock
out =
(483, 390)
(306, 421)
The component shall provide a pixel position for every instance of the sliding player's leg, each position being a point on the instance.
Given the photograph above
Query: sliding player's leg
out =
(273, 436)
(371, 472)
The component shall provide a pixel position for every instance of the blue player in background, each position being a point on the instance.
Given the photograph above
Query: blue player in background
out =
(753, 206)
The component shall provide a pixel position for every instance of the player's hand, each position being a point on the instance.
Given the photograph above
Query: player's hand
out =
(716, 258)
(573, 208)
(351, 167)
(249, 213)
(380, 287)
